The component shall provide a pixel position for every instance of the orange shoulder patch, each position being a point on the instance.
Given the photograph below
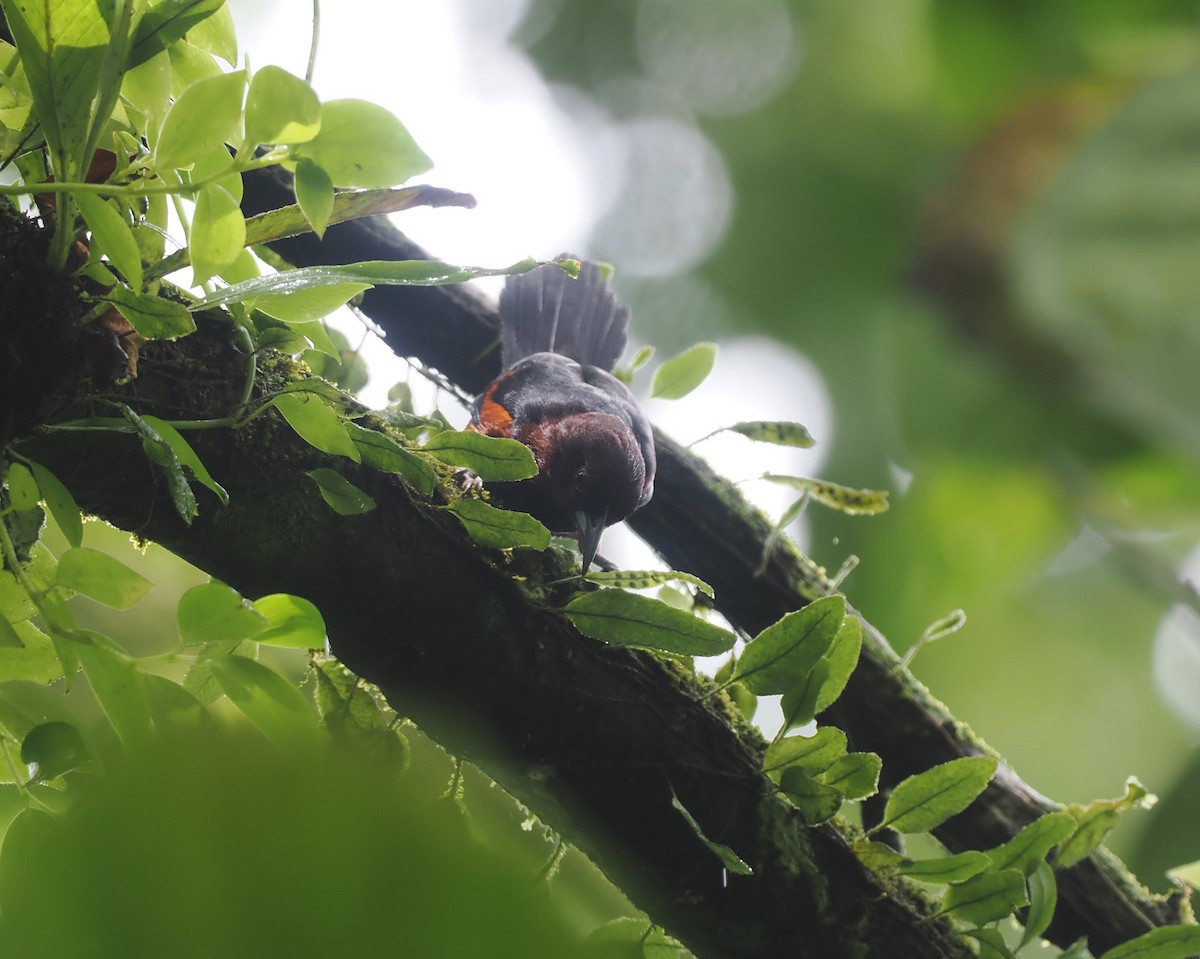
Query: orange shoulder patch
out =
(493, 419)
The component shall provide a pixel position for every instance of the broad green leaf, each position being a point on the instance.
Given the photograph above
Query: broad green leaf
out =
(877, 856)
(218, 233)
(500, 528)
(304, 305)
(379, 452)
(216, 613)
(816, 801)
(362, 145)
(206, 115)
(100, 577)
(855, 775)
(186, 455)
(172, 706)
(352, 713)
(290, 621)
(853, 502)
(375, 272)
(799, 704)
(1188, 873)
(1166, 942)
(681, 374)
(645, 578)
(216, 35)
(112, 234)
(814, 754)
(264, 697)
(9, 639)
(33, 658)
(189, 65)
(1043, 898)
(945, 869)
(779, 433)
(159, 451)
(314, 194)
(28, 703)
(147, 87)
(1031, 845)
(991, 944)
(342, 496)
(118, 685)
(783, 653)
(636, 938)
(317, 423)
(1095, 820)
(281, 108)
(626, 619)
(154, 317)
(23, 490)
(56, 747)
(219, 167)
(491, 458)
(987, 897)
(842, 658)
(729, 859)
(61, 504)
(166, 22)
(926, 800)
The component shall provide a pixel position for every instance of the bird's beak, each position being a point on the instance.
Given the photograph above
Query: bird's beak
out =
(590, 529)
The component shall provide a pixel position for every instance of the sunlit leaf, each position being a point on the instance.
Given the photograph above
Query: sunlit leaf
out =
(491, 458)
(118, 685)
(814, 754)
(113, 235)
(218, 233)
(264, 697)
(627, 619)
(280, 108)
(783, 653)
(361, 144)
(314, 194)
(100, 577)
(206, 115)
(799, 704)
(1095, 820)
(681, 374)
(290, 621)
(842, 658)
(216, 613)
(166, 22)
(855, 775)
(32, 658)
(23, 492)
(924, 801)
(61, 504)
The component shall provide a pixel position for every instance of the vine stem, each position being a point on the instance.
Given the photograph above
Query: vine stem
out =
(140, 189)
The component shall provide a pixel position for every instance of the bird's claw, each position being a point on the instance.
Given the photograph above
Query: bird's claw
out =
(467, 481)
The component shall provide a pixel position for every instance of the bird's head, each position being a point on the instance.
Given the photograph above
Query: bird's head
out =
(595, 472)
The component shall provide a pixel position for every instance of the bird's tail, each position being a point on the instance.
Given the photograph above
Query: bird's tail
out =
(547, 310)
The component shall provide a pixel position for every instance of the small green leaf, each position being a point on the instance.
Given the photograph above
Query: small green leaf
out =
(118, 686)
(26, 703)
(945, 869)
(877, 856)
(855, 775)
(100, 577)
(1095, 820)
(207, 115)
(799, 704)
(352, 713)
(1043, 898)
(500, 528)
(361, 144)
(23, 490)
(491, 458)
(640, 359)
(186, 455)
(172, 706)
(987, 897)
(729, 859)
(783, 653)
(305, 305)
(681, 374)
(926, 800)
(56, 747)
(816, 801)
(645, 578)
(635, 938)
(216, 34)
(781, 434)
(280, 109)
(1187, 873)
(853, 502)
(290, 621)
(813, 754)
(33, 658)
(147, 87)
(154, 317)
(991, 944)
(61, 503)
(216, 613)
(1166, 942)
(218, 233)
(842, 658)
(113, 236)
(314, 194)
(166, 22)
(343, 497)
(264, 697)
(317, 423)
(159, 451)
(626, 619)
(1030, 846)
(379, 452)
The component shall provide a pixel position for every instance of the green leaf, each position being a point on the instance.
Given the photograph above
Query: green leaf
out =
(813, 754)
(207, 115)
(23, 490)
(855, 775)
(343, 497)
(926, 800)
(216, 613)
(783, 653)
(290, 621)
(166, 22)
(56, 747)
(816, 801)
(361, 144)
(33, 658)
(280, 108)
(264, 697)
(317, 423)
(380, 452)
(26, 703)
(186, 455)
(945, 869)
(100, 577)
(1030, 846)
(877, 856)
(353, 714)
(779, 433)
(635, 938)
(1043, 898)
(491, 458)
(172, 706)
(799, 704)
(305, 305)
(681, 374)
(645, 578)
(626, 619)
(1187, 873)
(9, 638)
(842, 658)
(991, 944)
(500, 528)
(118, 685)
(853, 502)
(1166, 942)
(154, 317)
(729, 859)
(61, 504)
(147, 88)
(216, 35)
(112, 234)
(987, 897)
(218, 233)
(1095, 820)
(159, 451)
(314, 194)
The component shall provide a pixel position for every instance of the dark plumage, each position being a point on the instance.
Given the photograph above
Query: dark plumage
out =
(592, 442)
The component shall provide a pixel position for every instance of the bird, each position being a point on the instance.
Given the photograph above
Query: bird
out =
(560, 339)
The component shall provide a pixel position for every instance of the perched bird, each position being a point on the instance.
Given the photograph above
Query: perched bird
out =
(592, 442)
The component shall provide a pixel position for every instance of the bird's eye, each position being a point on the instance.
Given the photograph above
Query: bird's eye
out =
(581, 479)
